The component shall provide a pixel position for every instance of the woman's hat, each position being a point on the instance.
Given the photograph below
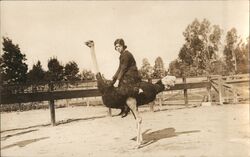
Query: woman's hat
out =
(120, 42)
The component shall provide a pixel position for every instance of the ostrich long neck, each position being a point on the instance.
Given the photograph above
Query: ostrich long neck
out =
(93, 56)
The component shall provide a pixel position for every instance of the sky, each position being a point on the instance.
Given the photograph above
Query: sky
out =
(45, 29)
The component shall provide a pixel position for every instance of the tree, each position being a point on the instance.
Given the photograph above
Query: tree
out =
(71, 71)
(201, 46)
(87, 75)
(36, 74)
(1, 71)
(55, 70)
(218, 67)
(146, 70)
(13, 66)
(175, 68)
(214, 41)
(182, 69)
(242, 57)
(158, 70)
(229, 50)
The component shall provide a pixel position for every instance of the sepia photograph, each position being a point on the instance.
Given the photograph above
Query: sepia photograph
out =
(95, 78)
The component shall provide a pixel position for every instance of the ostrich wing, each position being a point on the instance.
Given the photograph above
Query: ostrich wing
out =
(115, 98)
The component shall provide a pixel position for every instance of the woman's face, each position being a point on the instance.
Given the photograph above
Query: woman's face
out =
(119, 48)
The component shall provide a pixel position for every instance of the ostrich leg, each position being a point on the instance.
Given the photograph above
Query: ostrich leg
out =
(131, 102)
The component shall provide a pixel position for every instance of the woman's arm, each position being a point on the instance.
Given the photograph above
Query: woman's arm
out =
(116, 74)
(124, 63)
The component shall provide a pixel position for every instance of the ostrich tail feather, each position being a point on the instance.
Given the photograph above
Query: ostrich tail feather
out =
(168, 81)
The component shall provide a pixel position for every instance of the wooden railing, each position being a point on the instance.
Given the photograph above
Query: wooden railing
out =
(51, 95)
(69, 94)
(221, 84)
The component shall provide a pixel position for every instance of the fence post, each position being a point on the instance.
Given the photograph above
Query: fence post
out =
(220, 81)
(151, 105)
(20, 90)
(235, 96)
(109, 112)
(209, 89)
(67, 100)
(87, 102)
(185, 91)
(160, 100)
(52, 106)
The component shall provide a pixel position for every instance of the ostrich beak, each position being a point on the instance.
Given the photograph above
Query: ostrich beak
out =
(89, 43)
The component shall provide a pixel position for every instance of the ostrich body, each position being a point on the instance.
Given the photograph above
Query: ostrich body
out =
(115, 98)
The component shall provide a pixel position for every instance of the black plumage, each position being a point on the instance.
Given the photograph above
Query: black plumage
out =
(115, 98)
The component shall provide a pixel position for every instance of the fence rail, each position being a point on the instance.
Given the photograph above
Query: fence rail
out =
(52, 94)
(8, 98)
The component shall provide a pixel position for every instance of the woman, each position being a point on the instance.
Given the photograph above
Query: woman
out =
(127, 76)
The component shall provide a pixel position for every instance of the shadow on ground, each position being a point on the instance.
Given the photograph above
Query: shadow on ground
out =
(24, 143)
(57, 123)
(17, 134)
(152, 137)
(79, 119)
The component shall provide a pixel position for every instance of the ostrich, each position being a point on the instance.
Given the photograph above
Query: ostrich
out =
(142, 93)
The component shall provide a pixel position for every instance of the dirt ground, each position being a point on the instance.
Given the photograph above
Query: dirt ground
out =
(205, 131)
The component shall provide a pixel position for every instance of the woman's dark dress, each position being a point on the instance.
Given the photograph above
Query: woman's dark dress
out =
(127, 74)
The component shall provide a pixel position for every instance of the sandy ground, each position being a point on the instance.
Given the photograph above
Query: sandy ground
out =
(205, 131)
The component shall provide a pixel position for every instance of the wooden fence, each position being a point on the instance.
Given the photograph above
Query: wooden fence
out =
(51, 95)
(224, 84)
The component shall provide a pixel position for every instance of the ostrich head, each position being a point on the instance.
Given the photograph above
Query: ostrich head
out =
(90, 43)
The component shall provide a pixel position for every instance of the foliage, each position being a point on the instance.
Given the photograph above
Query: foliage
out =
(158, 70)
(218, 67)
(200, 48)
(87, 75)
(229, 50)
(146, 69)
(13, 66)
(55, 70)
(182, 69)
(71, 71)
(175, 68)
(242, 57)
(36, 74)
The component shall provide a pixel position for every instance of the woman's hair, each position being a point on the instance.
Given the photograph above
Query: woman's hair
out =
(120, 42)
